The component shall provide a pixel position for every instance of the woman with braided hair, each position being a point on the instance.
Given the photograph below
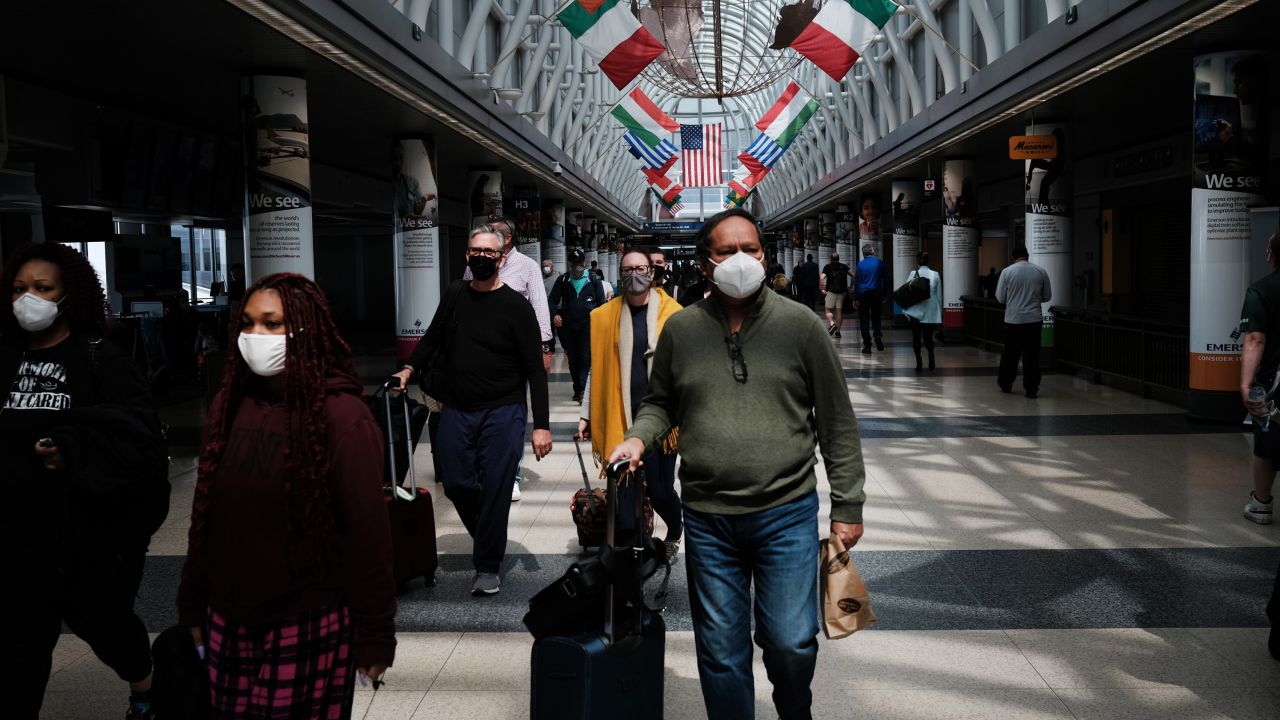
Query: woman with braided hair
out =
(288, 586)
(78, 435)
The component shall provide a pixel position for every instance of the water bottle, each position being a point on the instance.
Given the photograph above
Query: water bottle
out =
(1257, 392)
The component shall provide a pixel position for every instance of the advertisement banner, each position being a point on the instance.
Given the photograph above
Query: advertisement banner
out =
(416, 240)
(826, 237)
(846, 235)
(485, 198)
(1229, 156)
(811, 234)
(1048, 219)
(959, 240)
(278, 225)
(557, 236)
(615, 255)
(905, 206)
(527, 214)
(869, 223)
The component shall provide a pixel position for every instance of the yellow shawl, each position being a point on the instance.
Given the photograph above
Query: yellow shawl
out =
(611, 348)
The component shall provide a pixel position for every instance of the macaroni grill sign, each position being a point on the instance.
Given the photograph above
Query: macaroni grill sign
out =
(1033, 147)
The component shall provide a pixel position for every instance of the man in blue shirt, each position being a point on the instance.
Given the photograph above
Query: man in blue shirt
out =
(868, 296)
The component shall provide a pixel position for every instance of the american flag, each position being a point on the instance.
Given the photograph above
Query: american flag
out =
(700, 153)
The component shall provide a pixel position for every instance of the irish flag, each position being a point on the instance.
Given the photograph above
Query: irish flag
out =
(612, 36)
(788, 115)
(642, 117)
(841, 31)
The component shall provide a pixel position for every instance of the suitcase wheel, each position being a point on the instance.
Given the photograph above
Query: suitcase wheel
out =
(430, 580)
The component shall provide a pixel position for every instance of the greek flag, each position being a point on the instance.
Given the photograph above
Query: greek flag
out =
(765, 150)
(651, 157)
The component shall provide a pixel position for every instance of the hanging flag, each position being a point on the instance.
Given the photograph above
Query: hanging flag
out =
(744, 180)
(761, 154)
(611, 36)
(840, 33)
(643, 118)
(783, 122)
(700, 155)
(663, 156)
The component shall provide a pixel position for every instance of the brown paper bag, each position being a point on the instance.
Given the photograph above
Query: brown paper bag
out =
(846, 608)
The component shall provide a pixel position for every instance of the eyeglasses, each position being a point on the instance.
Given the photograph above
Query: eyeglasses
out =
(735, 356)
(638, 270)
(486, 252)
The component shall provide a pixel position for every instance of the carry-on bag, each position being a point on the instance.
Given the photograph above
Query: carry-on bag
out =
(615, 671)
(180, 683)
(589, 508)
(396, 429)
(912, 292)
(413, 520)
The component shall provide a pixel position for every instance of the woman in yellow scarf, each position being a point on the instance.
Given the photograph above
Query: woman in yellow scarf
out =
(624, 333)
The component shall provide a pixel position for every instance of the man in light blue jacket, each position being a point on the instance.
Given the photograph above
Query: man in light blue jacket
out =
(1023, 288)
(925, 317)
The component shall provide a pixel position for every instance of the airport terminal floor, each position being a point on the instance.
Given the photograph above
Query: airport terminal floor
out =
(1079, 555)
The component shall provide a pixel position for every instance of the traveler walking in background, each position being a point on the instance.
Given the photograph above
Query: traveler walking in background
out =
(806, 279)
(925, 317)
(868, 297)
(1259, 365)
(1022, 288)
(753, 385)
(84, 478)
(489, 336)
(622, 352)
(834, 284)
(288, 584)
(575, 294)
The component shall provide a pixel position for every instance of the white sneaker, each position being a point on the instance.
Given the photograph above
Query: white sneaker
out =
(515, 493)
(1258, 512)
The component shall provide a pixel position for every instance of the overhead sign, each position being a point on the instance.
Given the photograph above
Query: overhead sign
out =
(672, 226)
(1033, 147)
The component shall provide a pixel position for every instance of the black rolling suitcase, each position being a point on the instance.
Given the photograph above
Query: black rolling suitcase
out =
(413, 519)
(615, 673)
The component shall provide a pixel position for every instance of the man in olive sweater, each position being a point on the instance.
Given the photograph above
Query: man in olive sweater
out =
(740, 373)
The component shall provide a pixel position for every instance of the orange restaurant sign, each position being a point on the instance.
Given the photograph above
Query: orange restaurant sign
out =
(1033, 147)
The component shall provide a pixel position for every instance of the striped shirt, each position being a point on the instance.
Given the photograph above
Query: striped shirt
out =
(524, 276)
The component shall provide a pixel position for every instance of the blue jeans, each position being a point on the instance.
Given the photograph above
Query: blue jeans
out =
(777, 549)
(479, 452)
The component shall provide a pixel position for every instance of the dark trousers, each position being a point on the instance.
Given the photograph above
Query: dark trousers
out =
(808, 295)
(922, 333)
(577, 350)
(660, 479)
(98, 610)
(479, 453)
(869, 303)
(1021, 341)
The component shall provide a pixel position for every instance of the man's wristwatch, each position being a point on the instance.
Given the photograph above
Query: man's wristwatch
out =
(546, 348)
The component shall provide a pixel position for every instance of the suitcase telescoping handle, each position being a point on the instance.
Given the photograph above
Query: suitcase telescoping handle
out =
(614, 474)
(392, 383)
(586, 482)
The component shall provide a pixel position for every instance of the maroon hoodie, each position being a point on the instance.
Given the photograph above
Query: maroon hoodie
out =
(246, 570)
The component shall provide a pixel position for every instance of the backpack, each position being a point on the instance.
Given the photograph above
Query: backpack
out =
(838, 282)
(151, 492)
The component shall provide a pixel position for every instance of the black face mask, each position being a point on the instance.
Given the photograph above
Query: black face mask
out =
(482, 267)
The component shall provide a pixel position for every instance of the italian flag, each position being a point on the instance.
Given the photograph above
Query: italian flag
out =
(788, 115)
(641, 116)
(612, 36)
(841, 31)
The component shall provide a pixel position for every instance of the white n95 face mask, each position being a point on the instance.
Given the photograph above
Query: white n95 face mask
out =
(34, 313)
(739, 277)
(264, 354)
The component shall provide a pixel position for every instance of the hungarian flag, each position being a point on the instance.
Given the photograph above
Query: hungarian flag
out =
(643, 118)
(783, 122)
(661, 157)
(611, 36)
(700, 155)
(840, 33)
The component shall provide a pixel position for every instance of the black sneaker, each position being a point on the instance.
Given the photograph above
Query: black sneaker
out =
(831, 329)
(486, 584)
(577, 397)
(879, 344)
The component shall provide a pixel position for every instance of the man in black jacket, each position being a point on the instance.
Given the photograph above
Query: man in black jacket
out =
(572, 299)
(806, 280)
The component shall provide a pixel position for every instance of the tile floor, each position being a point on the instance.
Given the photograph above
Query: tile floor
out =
(1077, 556)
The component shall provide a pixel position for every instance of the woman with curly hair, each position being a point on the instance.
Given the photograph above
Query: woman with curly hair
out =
(79, 441)
(288, 586)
